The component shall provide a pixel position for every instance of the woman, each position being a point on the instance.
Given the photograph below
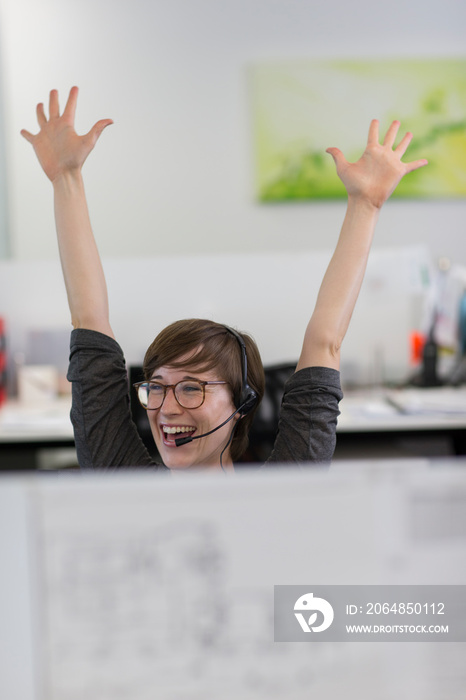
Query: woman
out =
(212, 356)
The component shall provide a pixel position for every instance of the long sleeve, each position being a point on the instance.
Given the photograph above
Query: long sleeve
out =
(308, 417)
(105, 434)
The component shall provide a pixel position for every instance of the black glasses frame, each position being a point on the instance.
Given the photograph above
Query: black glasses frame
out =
(146, 383)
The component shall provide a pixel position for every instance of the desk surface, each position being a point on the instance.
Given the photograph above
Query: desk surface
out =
(376, 410)
(45, 422)
(372, 410)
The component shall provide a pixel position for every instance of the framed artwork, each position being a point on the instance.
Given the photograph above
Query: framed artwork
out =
(300, 108)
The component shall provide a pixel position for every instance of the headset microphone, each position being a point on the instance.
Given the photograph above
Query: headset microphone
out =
(184, 440)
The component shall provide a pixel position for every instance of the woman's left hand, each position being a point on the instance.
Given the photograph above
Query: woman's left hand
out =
(376, 174)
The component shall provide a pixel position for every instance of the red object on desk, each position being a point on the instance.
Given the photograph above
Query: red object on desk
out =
(417, 341)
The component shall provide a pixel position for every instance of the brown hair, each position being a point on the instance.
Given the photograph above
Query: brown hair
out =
(210, 345)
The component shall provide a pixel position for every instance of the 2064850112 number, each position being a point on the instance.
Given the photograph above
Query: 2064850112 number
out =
(405, 608)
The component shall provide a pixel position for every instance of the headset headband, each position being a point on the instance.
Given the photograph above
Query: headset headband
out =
(248, 398)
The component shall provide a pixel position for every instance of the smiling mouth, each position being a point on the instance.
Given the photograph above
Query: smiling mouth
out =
(171, 432)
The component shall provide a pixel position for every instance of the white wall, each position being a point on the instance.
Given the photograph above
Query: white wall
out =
(270, 295)
(174, 174)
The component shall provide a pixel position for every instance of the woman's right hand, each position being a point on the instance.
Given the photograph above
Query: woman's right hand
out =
(58, 147)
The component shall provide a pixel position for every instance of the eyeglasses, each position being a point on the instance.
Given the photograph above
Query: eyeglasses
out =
(189, 393)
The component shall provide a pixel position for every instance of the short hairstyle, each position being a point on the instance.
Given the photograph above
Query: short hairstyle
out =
(207, 345)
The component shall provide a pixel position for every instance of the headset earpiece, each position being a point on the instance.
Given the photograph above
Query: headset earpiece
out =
(248, 397)
(248, 400)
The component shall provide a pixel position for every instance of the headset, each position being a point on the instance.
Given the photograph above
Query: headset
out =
(247, 400)
(248, 397)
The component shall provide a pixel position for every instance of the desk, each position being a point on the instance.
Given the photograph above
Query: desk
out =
(375, 423)
(27, 431)
(402, 423)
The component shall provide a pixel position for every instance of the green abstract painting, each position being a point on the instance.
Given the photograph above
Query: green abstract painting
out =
(302, 107)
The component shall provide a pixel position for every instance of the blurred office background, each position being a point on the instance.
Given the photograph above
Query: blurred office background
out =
(174, 176)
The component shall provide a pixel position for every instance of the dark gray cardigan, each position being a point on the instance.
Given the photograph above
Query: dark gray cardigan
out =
(106, 436)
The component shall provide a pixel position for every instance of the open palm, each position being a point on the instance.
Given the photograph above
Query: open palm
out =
(379, 170)
(57, 145)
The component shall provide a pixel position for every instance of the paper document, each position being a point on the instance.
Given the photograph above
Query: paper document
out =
(144, 586)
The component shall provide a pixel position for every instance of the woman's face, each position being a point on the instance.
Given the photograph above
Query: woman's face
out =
(168, 421)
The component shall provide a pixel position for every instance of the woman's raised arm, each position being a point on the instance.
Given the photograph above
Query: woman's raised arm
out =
(62, 153)
(369, 183)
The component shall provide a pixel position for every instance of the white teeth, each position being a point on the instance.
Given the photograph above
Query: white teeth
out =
(177, 429)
